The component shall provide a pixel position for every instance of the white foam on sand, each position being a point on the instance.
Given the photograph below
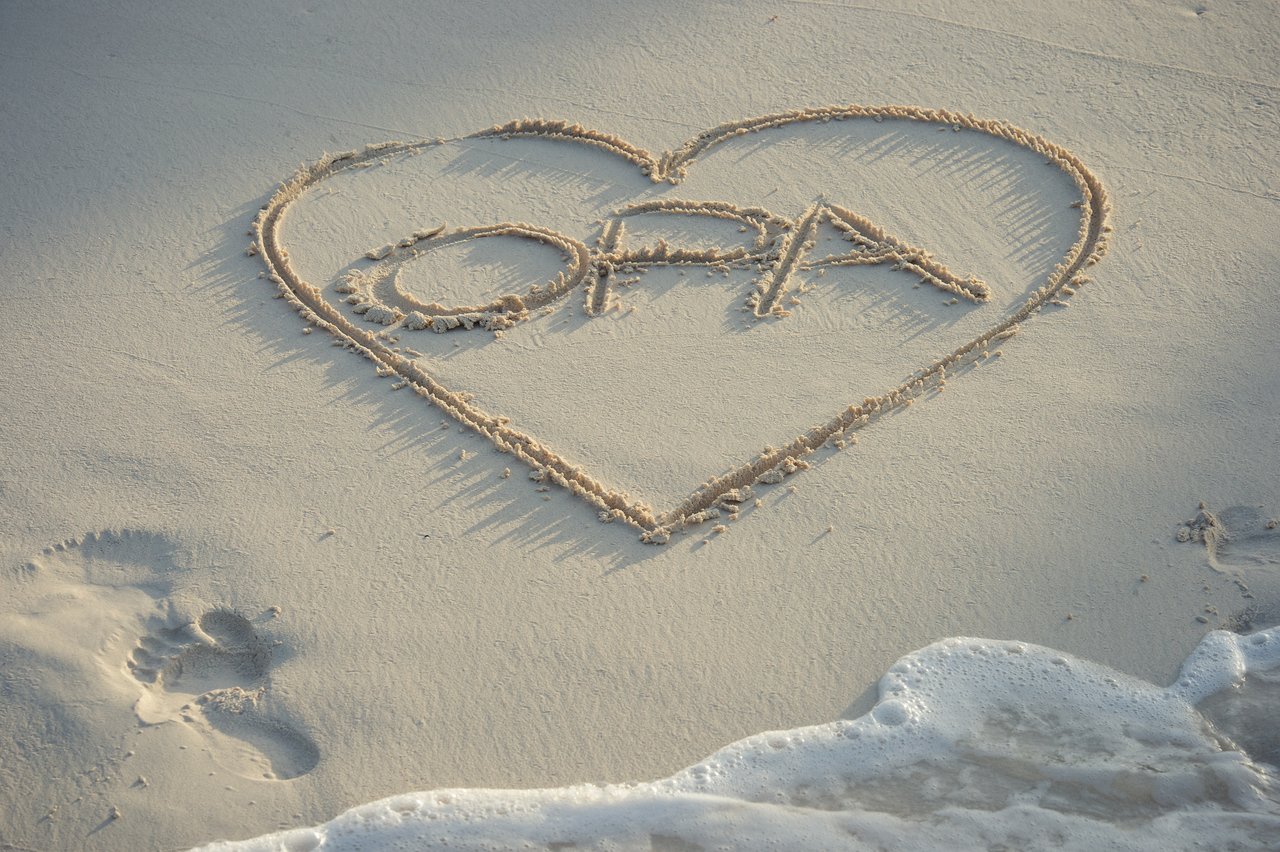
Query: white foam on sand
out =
(974, 743)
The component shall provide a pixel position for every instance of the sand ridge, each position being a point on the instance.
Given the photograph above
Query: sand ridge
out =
(780, 245)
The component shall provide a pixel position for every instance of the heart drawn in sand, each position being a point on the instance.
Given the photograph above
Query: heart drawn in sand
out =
(779, 248)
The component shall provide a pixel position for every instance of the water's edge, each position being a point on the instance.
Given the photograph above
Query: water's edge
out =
(973, 743)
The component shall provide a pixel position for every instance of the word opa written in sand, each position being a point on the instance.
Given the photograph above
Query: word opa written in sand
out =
(777, 249)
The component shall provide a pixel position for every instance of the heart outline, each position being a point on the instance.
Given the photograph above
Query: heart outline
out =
(672, 166)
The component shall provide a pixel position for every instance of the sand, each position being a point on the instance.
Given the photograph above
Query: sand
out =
(248, 585)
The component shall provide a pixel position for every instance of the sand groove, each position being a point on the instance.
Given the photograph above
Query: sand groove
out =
(794, 244)
(378, 297)
(879, 247)
(599, 290)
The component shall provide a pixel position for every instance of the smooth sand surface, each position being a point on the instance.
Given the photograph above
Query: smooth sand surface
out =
(245, 585)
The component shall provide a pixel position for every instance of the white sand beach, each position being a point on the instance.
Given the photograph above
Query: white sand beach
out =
(542, 403)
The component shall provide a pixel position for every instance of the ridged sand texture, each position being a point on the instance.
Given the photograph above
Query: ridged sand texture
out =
(770, 466)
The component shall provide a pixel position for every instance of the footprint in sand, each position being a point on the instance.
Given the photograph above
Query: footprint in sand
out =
(1237, 538)
(212, 674)
(110, 605)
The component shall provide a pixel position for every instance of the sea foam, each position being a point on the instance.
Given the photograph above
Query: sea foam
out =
(973, 744)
